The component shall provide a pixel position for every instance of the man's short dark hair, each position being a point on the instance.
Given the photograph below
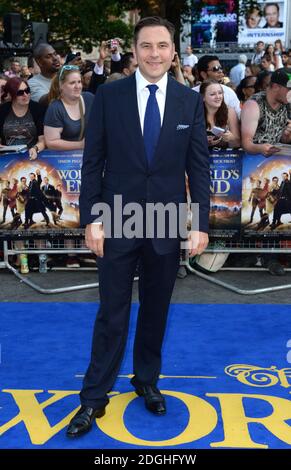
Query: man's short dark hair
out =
(153, 21)
(40, 50)
(271, 5)
(125, 60)
(204, 61)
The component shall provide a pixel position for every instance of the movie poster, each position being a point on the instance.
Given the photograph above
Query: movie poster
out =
(225, 191)
(266, 196)
(40, 197)
(214, 22)
(262, 20)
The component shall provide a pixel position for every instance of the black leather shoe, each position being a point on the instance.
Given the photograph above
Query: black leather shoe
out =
(154, 400)
(83, 419)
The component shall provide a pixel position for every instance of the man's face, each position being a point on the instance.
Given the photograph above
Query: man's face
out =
(215, 71)
(45, 180)
(15, 67)
(272, 16)
(260, 46)
(281, 93)
(31, 177)
(154, 52)
(49, 61)
(285, 58)
(253, 19)
(189, 50)
(131, 68)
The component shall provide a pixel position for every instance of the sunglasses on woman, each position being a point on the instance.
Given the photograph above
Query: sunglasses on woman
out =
(22, 92)
(67, 67)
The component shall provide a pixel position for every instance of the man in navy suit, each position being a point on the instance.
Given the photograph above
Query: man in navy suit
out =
(145, 133)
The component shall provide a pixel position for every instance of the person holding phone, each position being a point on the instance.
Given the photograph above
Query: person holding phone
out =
(221, 121)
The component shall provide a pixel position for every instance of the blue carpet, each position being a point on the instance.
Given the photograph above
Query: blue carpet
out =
(227, 379)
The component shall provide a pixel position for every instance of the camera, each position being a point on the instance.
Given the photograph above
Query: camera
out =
(112, 43)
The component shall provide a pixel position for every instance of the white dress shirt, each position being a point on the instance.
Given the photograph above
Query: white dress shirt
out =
(143, 93)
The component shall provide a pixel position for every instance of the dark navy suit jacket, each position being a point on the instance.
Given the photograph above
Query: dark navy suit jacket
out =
(115, 162)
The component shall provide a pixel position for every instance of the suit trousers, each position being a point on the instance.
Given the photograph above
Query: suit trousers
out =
(157, 275)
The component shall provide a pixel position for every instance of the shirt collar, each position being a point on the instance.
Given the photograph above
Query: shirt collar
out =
(141, 82)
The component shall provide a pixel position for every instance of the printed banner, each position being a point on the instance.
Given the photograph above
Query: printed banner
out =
(262, 21)
(40, 197)
(266, 196)
(225, 190)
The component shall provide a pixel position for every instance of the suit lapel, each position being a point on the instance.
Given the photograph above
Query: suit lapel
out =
(131, 121)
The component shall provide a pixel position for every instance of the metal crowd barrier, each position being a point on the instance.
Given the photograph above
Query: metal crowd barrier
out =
(44, 247)
(248, 247)
(220, 246)
(47, 247)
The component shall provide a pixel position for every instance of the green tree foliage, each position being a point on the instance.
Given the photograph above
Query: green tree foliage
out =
(85, 23)
(82, 24)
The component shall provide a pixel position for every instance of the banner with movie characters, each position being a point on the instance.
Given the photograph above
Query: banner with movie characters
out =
(250, 195)
(266, 196)
(225, 194)
(40, 197)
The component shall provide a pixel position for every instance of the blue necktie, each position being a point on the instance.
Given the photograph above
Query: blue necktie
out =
(152, 123)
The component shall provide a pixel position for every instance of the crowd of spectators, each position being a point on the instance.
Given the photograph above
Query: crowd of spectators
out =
(46, 102)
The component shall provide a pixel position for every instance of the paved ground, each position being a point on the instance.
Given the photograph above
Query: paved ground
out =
(189, 290)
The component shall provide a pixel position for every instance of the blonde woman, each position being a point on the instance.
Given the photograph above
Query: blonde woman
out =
(68, 111)
(66, 119)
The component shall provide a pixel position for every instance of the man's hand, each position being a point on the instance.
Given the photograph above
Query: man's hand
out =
(198, 242)
(287, 130)
(103, 53)
(176, 61)
(94, 238)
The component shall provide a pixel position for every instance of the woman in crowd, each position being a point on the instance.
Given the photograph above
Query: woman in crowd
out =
(218, 115)
(68, 111)
(263, 81)
(21, 120)
(66, 119)
(3, 81)
(246, 88)
(270, 51)
(278, 51)
(252, 70)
